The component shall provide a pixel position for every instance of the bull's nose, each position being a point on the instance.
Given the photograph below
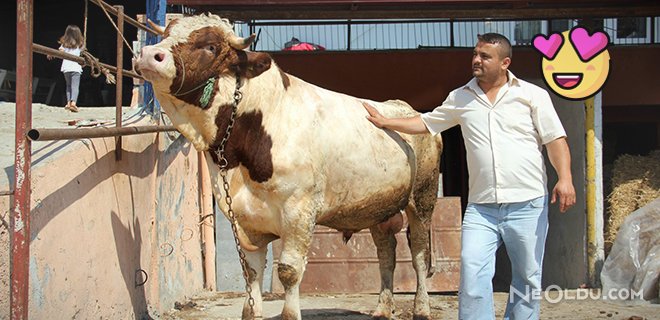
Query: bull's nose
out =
(152, 53)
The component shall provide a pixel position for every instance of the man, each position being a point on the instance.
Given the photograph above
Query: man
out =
(505, 122)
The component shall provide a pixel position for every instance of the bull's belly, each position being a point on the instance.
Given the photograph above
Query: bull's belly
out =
(364, 213)
(366, 186)
(365, 192)
(351, 205)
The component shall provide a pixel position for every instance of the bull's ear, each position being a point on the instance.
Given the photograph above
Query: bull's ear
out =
(252, 64)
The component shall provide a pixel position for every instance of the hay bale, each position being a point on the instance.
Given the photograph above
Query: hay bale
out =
(635, 183)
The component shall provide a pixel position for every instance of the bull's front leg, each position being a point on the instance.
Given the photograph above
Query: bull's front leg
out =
(295, 243)
(256, 263)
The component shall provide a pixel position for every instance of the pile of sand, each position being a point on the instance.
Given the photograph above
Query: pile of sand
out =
(635, 183)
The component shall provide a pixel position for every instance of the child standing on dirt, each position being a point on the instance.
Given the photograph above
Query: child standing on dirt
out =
(71, 42)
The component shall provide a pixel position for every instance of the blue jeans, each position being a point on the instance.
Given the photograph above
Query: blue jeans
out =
(72, 83)
(522, 227)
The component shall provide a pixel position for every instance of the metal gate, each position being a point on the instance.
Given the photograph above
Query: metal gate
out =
(335, 267)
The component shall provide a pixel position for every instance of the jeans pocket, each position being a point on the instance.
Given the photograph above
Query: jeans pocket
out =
(538, 202)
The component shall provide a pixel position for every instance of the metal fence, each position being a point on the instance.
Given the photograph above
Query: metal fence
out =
(341, 35)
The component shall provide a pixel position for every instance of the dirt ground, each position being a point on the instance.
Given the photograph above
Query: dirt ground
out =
(44, 116)
(213, 305)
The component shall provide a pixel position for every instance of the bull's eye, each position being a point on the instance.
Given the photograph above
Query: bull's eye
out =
(210, 48)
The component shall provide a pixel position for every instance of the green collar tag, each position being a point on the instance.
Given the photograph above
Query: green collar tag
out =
(206, 94)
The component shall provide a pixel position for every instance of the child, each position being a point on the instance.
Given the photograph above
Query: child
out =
(72, 43)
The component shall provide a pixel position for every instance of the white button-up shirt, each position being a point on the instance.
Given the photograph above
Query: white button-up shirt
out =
(503, 139)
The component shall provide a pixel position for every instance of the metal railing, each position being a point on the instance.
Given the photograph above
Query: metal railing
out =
(342, 35)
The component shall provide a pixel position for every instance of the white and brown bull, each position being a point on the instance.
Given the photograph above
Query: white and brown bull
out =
(298, 155)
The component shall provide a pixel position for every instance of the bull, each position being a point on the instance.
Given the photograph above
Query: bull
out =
(294, 155)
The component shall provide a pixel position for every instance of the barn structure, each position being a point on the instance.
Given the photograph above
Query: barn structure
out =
(120, 237)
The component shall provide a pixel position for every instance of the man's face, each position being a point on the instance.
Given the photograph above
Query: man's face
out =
(487, 63)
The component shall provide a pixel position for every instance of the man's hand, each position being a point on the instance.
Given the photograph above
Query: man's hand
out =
(411, 125)
(566, 193)
(560, 158)
(374, 116)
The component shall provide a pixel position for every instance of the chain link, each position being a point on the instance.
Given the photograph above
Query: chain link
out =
(223, 164)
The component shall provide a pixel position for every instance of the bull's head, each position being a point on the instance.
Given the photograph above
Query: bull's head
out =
(194, 71)
(195, 49)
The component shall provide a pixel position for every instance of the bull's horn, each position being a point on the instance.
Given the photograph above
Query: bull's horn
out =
(156, 27)
(239, 43)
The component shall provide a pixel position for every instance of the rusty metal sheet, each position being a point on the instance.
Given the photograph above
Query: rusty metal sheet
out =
(335, 267)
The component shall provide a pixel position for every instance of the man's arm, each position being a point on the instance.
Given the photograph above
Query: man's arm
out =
(412, 125)
(560, 158)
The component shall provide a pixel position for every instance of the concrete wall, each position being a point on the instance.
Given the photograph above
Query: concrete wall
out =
(101, 227)
(565, 261)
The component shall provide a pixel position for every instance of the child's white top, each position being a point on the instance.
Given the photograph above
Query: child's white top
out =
(68, 65)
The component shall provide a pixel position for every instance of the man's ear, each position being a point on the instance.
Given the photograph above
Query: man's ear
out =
(506, 62)
(252, 64)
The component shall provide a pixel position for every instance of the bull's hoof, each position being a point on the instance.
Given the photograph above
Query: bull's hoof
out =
(251, 313)
(290, 314)
(421, 317)
(248, 314)
(382, 313)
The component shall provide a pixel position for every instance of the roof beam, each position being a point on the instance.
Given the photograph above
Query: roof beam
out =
(430, 9)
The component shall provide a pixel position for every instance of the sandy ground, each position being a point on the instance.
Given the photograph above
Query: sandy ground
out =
(44, 116)
(443, 306)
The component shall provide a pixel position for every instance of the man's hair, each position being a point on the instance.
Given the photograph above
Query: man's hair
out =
(496, 38)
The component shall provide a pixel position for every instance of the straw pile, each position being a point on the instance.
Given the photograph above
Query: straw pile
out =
(635, 183)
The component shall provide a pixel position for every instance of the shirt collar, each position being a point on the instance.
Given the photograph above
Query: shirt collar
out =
(512, 81)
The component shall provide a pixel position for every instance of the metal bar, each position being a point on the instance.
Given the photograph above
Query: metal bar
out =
(451, 33)
(59, 54)
(652, 30)
(45, 134)
(591, 191)
(348, 35)
(19, 222)
(501, 12)
(595, 246)
(129, 20)
(207, 222)
(344, 21)
(6, 193)
(118, 87)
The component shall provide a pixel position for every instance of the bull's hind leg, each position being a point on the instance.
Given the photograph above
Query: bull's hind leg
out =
(419, 245)
(256, 263)
(386, 249)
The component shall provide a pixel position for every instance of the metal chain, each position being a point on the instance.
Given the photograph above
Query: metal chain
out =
(223, 164)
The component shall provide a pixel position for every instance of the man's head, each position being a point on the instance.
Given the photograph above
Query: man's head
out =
(491, 57)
